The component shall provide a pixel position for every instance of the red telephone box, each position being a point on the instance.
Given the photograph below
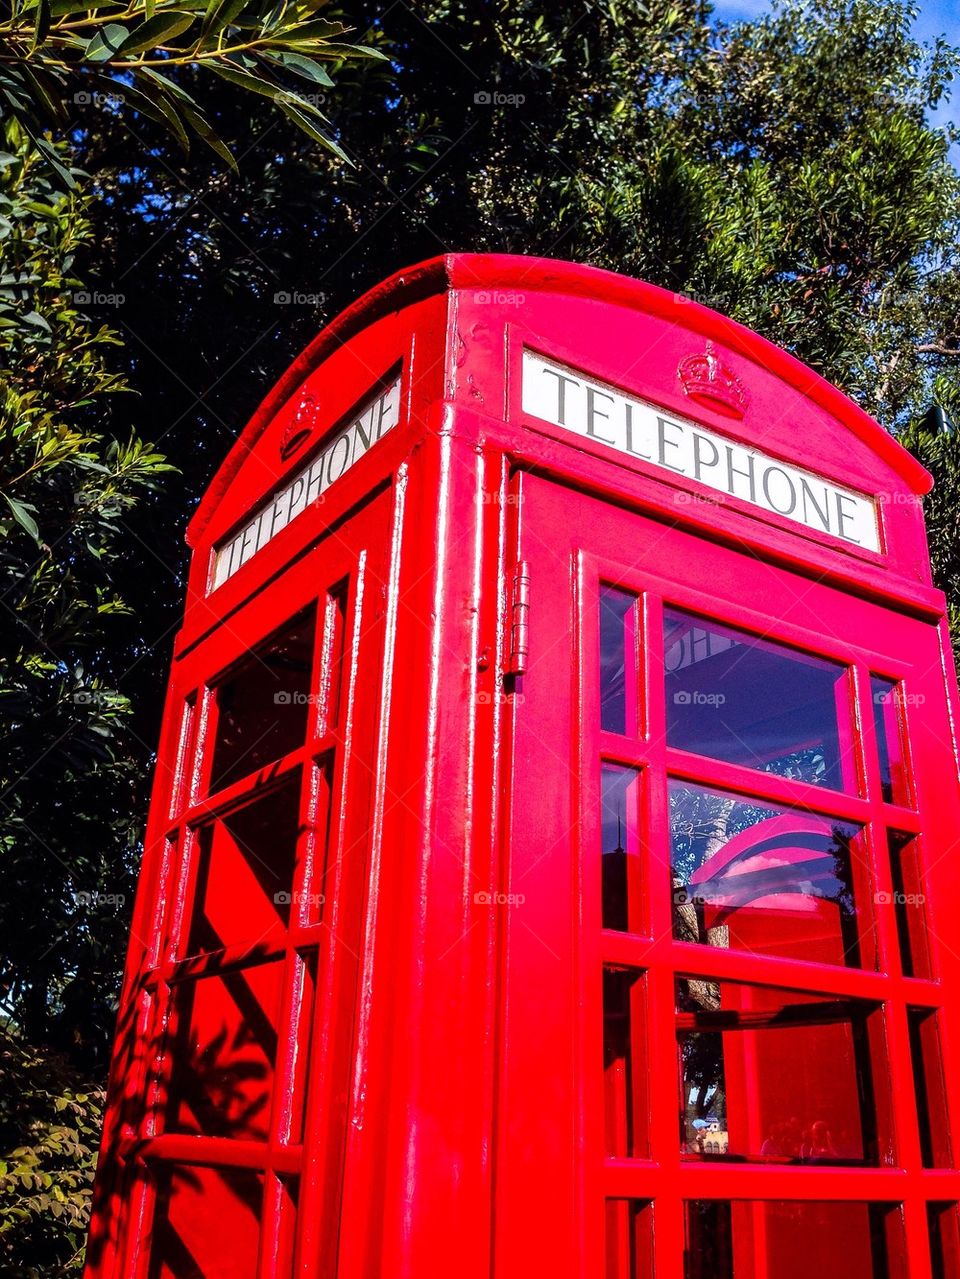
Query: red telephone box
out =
(553, 857)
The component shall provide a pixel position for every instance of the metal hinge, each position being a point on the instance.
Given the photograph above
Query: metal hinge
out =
(519, 620)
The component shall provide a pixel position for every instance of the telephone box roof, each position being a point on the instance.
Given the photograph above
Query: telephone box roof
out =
(500, 271)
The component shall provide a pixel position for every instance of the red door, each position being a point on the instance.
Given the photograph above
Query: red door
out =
(728, 971)
(246, 1000)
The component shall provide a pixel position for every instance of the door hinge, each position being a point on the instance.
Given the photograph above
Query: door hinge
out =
(519, 620)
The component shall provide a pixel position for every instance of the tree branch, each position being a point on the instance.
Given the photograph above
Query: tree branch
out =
(937, 348)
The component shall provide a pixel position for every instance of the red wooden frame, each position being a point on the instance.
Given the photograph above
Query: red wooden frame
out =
(428, 1089)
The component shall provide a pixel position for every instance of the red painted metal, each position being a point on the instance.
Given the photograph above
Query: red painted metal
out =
(363, 1029)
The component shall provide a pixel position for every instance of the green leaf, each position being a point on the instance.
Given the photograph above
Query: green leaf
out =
(41, 26)
(228, 71)
(308, 126)
(105, 44)
(170, 86)
(174, 122)
(306, 67)
(153, 103)
(46, 89)
(213, 140)
(316, 30)
(53, 160)
(220, 13)
(21, 513)
(64, 8)
(156, 31)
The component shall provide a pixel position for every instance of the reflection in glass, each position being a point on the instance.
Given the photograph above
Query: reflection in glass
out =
(886, 699)
(243, 875)
(792, 1239)
(263, 704)
(749, 876)
(620, 846)
(909, 902)
(618, 661)
(629, 1239)
(624, 1069)
(944, 1227)
(776, 1077)
(930, 1087)
(752, 702)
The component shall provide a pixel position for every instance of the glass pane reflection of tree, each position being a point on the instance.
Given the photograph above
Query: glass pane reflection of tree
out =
(749, 876)
(744, 700)
(775, 1076)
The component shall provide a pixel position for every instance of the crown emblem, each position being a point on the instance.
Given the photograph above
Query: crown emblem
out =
(705, 379)
(300, 427)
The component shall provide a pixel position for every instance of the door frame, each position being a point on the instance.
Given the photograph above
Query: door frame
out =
(550, 1134)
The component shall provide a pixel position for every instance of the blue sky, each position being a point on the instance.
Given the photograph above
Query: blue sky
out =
(939, 18)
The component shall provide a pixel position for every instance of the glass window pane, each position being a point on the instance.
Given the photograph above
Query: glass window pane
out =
(792, 1239)
(749, 876)
(206, 1223)
(752, 702)
(944, 1240)
(289, 1195)
(335, 626)
(620, 847)
(263, 704)
(618, 661)
(629, 1239)
(909, 904)
(624, 1065)
(222, 1052)
(243, 873)
(930, 1087)
(887, 717)
(777, 1077)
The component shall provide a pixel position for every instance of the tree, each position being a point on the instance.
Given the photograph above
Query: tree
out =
(782, 171)
(73, 772)
(129, 52)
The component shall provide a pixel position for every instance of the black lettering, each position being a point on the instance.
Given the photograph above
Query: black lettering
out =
(361, 433)
(663, 443)
(346, 458)
(594, 412)
(843, 515)
(823, 512)
(629, 425)
(296, 488)
(383, 404)
(562, 382)
(275, 515)
(233, 555)
(748, 474)
(698, 460)
(314, 479)
(776, 470)
(260, 520)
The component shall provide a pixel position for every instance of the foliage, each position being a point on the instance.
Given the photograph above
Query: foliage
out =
(68, 832)
(781, 171)
(49, 1129)
(125, 51)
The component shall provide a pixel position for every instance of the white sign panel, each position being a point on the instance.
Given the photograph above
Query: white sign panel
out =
(595, 411)
(310, 483)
